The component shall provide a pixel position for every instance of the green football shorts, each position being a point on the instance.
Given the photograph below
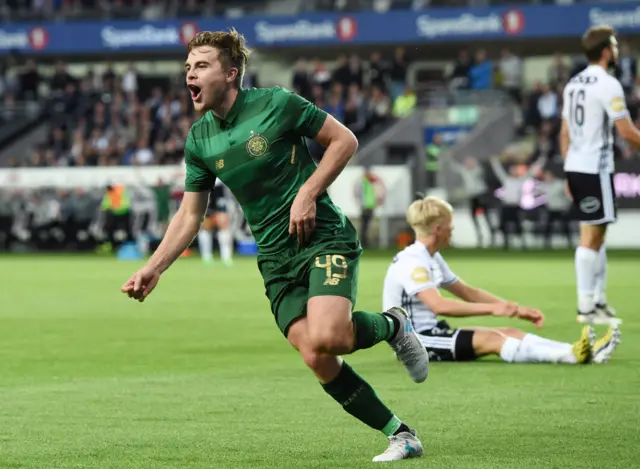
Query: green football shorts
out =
(293, 276)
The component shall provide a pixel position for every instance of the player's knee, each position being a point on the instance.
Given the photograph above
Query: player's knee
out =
(488, 341)
(332, 340)
(313, 359)
(592, 237)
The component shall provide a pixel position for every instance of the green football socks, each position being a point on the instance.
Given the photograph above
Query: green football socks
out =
(370, 329)
(359, 399)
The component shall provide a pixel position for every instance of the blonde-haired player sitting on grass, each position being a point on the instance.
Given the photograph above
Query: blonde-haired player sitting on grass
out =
(418, 272)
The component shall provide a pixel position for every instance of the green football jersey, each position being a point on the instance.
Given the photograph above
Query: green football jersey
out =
(258, 151)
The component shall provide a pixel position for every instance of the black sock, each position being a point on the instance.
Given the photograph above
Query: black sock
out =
(370, 329)
(396, 325)
(359, 399)
(402, 428)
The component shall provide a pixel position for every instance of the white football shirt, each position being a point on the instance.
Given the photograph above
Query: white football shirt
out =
(412, 271)
(592, 101)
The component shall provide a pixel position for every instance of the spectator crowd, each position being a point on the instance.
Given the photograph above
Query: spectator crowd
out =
(541, 106)
(363, 96)
(106, 119)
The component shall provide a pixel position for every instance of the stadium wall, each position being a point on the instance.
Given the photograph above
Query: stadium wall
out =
(392, 183)
(624, 234)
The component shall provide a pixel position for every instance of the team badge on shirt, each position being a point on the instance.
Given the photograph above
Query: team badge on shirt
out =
(257, 145)
(420, 275)
(617, 104)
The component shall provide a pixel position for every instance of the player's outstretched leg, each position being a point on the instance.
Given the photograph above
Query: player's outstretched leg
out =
(515, 346)
(327, 331)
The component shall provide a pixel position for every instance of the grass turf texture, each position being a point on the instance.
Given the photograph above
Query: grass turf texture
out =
(200, 377)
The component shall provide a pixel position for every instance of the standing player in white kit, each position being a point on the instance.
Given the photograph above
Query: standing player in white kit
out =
(593, 103)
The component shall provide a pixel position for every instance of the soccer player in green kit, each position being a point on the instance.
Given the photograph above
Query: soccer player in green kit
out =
(253, 140)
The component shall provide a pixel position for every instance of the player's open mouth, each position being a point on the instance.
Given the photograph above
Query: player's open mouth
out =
(196, 92)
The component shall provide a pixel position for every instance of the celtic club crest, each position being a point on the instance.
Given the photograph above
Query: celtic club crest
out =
(257, 145)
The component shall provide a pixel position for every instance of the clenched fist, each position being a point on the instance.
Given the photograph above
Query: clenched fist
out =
(141, 284)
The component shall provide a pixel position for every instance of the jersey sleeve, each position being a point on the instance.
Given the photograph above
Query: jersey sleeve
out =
(415, 277)
(304, 117)
(614, 101)
(198, 177)
(448, 277)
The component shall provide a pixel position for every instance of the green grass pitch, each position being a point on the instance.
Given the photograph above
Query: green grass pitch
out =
(200, 377)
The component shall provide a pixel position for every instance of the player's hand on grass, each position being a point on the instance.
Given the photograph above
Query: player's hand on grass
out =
(141, 284)
(303, 217)
(505, 308)
(531, 314)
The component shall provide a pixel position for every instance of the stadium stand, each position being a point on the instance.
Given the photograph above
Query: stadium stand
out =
(119, 108)
(109, 119)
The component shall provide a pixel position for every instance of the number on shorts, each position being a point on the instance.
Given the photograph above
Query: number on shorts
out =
(335, 267)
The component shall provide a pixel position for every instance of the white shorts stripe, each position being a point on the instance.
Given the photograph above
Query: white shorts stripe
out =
(437, 342)
(607, 196)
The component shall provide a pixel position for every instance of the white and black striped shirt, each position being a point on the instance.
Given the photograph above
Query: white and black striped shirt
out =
(412, 271)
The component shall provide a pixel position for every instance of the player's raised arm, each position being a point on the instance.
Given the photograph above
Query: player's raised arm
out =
(499, 170)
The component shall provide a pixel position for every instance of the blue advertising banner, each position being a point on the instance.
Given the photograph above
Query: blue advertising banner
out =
(449, 134)
(426, 26)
